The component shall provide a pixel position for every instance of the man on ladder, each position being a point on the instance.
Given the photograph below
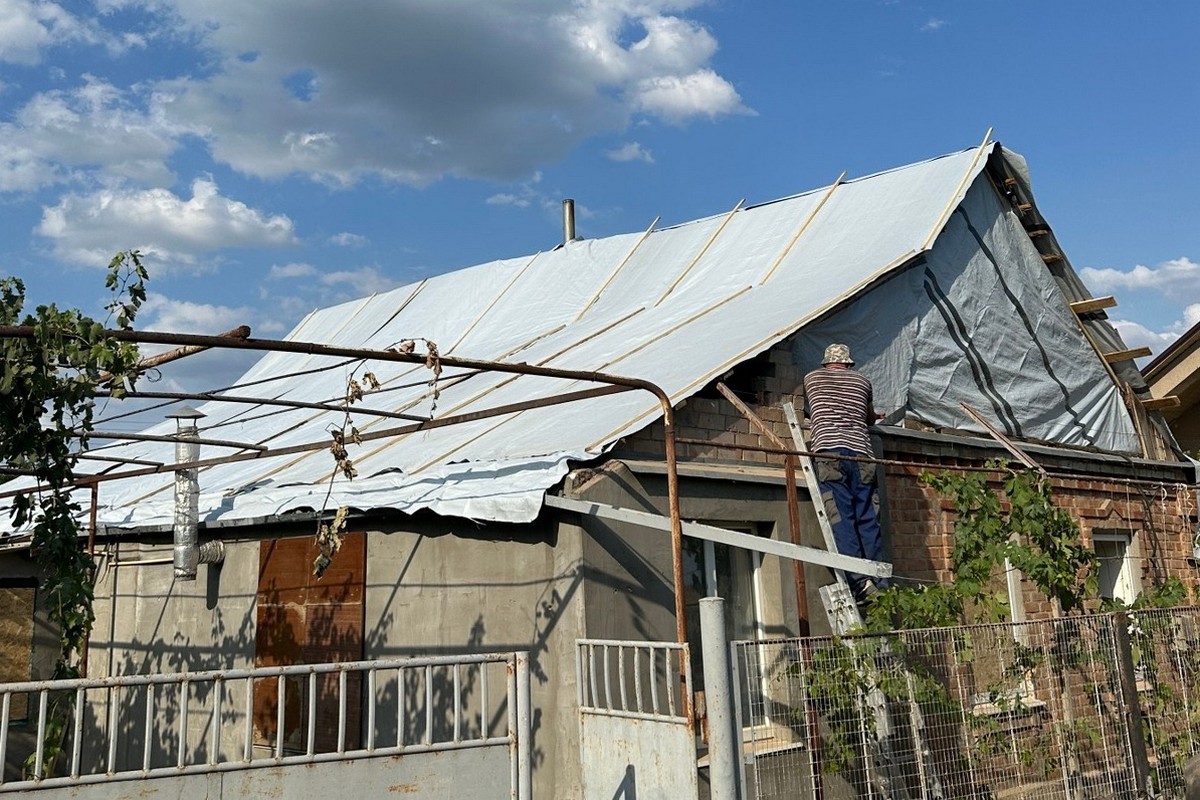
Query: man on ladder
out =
(839, 401)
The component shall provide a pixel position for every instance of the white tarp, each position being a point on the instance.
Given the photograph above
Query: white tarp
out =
(678, 308)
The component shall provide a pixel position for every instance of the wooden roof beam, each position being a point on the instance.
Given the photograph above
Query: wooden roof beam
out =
(1162, 403)
(1125, 355)
(1093, 304)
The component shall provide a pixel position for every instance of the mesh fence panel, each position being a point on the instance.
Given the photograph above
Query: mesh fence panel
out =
(1165, 647)
(1031, 710)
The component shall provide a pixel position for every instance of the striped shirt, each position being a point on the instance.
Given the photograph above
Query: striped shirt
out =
(839, 402)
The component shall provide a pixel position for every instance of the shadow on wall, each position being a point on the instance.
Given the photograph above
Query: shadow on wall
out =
(416, 705)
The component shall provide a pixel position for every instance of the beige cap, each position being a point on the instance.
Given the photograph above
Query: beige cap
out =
(837, 354)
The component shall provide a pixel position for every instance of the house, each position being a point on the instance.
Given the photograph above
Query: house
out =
(942, 276)
(1174, 380)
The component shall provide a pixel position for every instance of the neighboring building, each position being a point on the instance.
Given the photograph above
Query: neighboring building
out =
(941, 276)
(1174, 379)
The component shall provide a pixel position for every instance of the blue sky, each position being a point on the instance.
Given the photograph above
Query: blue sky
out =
(274, 156)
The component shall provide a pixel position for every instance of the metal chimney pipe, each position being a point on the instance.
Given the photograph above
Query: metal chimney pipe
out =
(187, 499)
(568, 206)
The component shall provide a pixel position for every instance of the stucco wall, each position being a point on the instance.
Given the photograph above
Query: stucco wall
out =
(442, 587)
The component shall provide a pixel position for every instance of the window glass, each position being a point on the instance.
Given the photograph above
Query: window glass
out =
(1116, 577)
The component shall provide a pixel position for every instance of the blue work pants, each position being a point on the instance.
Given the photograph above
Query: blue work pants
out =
(848, 492)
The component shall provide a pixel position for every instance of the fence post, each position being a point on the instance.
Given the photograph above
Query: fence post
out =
(723, 746)
(1127, 674)
(524, 728)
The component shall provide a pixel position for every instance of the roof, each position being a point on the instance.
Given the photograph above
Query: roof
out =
(1172, 354)
(1175, 372)
(677, 306)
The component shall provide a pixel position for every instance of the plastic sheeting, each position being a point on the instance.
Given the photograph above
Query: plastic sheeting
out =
(678, 307)
(981, 321)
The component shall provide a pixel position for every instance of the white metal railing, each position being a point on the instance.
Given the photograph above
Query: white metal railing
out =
(641, 680)
(429, 713)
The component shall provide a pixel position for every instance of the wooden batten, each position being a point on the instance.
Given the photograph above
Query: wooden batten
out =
(1162, 403)
(1125, 355)
(1093, 304)
(1050, 258)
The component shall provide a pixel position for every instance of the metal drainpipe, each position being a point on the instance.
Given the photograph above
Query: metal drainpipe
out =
(188, 551)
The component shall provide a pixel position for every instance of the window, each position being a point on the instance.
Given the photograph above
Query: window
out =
(998, 687)
(1114, 554)
(712, 570)
(17, 603)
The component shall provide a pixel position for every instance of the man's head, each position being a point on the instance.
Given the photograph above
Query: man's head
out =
(837, 355)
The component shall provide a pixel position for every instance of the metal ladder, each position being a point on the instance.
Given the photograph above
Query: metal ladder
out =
(886, 771)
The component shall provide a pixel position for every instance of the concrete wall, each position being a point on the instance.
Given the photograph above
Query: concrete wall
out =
(434, 586)
(438, 586)
(630, 592)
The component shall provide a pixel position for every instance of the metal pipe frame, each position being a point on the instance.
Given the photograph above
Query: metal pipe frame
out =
(314, 348)
(261, 401)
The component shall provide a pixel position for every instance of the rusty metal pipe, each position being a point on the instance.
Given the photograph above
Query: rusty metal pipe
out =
(314, 348)
(260, 401)
(367, 436)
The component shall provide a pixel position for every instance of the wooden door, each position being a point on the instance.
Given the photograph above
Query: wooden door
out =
(305, 620)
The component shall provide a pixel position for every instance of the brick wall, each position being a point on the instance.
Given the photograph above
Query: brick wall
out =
(1158, 510)
(1160, 513)
(770, 380)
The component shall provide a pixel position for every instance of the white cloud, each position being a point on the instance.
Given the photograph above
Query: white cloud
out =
(361, 282)
(92, 125)
(508, 199)
(677, 98)
(348, 240)
(87, 229)
(413, 92)
(161, 313)
(28, 26)
(1177, 277)
(934, 24)
(293, 270)
(1134, 334)
(530, 193)
(630, 151)
(203, 371)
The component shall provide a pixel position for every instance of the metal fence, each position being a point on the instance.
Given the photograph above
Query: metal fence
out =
(1098, 706)
(635, 679)
(86, 731)
(635, 728)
